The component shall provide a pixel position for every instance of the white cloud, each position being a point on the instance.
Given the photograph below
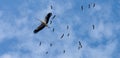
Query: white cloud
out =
(6, 56)
(9, 55)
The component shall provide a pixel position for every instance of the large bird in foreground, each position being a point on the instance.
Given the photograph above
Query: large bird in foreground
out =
(43, 23)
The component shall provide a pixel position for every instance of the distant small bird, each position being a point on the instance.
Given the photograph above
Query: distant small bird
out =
(93, 27)
(62, 36)
(50, 22)
(63, 51)
(68, 34)
(47, 52)
(88, 5)
(50, 44)
(80, 44)
(53, 17)
(93, 4)
(40, 43)
(53, 29)
(67, 27)
(82, 8)
(51, 7)
(43, 23)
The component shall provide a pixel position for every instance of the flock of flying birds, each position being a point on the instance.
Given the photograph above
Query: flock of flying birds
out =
(89, 6)
(47, 19)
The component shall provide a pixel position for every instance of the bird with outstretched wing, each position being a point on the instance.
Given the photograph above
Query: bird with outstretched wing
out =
(43, 23)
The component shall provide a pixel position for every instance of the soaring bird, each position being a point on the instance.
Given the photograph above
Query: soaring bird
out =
(53, 17)
(94, 5)
(88, 5)
(63, 51)
(82, 8)
(46, 52)
(51, 7)
(53, 29)
(68, 34)
(67, 27)
(50, 22)
(50, 44)
(40, 43)
(43, 23)
(93, 27)
(80, 44)
(62, 36)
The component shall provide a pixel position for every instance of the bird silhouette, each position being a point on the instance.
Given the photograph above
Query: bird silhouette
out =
(67, 27)
(93, 27)
(53, 17)
(53, 29)
(43, 23)
(50, 44)
(51, 7)
(46, 52)
(80, 45)
(63, 51)
(88, 5)
(82, 8)
(94, 5)
(68, 34)
(50, 22)
(40, 43)
(62, 36)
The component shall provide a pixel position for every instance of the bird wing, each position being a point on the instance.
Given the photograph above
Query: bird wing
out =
(40, 27)
(48, 17)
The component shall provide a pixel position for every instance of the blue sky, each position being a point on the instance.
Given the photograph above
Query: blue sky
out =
(18, 19)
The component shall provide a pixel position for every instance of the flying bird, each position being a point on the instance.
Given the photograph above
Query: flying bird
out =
(88, 5)
(93, 27)
(67, 27)
(63, 51)
(80, 45)
(94, 5)
(62, 36)
(53, 29)
(50, 44)
(51, 7)
(68, 34)
(82, 8)
(47, 52)
(53, 17)
(43, 23)
(40, 43)
(50, 22)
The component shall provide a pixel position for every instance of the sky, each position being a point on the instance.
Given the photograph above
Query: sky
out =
(19, 18)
